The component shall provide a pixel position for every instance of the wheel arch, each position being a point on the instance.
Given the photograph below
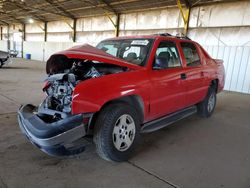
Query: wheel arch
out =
(133, 100)
(214, 83)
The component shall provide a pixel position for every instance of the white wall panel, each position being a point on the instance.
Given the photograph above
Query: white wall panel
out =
(60, 26)
(84, 24)
(59, 37)
(148, 32)
(147, 20)
(5, 29)
(160, 19)
(221, 15)
(3, 45)
(235, 36)
(36, 49)
(43, 50)
(53, 47)
(34, 28)
(93, 38)
(128, 21)
(35, 37)
(100, 23)
(15, 28)
(237, 66)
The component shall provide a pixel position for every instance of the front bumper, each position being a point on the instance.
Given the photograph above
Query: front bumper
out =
(59, 138)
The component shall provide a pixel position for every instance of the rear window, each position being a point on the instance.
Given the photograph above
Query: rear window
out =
(191, 54)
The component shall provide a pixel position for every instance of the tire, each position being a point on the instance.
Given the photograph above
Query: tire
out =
(207, 106)
(117, 132)
(1, 63)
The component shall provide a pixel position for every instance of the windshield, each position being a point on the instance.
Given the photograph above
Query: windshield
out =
(134, 51)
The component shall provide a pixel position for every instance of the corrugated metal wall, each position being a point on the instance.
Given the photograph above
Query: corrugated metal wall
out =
(224, 31)
(237, 66)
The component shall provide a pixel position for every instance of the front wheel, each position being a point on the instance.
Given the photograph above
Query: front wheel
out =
(117, 132)
(1, 63)
(207, 106)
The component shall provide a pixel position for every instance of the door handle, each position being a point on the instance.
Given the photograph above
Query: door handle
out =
(183, 76)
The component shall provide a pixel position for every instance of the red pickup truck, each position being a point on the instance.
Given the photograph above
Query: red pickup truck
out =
(114, 92)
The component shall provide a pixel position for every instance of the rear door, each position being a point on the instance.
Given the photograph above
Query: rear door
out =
(196, 87)
(168, 92)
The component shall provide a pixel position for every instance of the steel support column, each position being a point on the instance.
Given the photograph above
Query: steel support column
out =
(185, 13)
(24, 32)
(8, 37)
(115, 24)
(74, 30)
(24, 37)
(1, 33)
(45, 31)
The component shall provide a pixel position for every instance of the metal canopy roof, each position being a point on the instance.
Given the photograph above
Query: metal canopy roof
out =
(19, 11)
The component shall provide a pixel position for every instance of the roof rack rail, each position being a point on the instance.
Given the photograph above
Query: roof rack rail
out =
(182, 36)
(165, 34)
(178, 35)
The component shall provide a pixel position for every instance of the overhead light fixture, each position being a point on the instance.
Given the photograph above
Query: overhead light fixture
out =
(31, 20)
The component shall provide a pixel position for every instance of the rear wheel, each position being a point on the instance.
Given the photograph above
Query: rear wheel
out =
(207, 106)
(117, 132)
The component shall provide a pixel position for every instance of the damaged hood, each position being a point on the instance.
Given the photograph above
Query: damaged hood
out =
(89, 52)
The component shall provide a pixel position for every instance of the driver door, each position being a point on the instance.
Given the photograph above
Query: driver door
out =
(167, 80)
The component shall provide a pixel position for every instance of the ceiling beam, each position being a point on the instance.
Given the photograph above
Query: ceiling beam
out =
(26, 9)
(12, 17)
(5, 23)
(46, 11)
(187, 3)
(59, 7)
(50, 12)
(93, 5)
(104, 6)
(196, 2)
(109, 6)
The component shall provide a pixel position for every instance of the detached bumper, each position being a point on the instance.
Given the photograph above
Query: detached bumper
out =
(58, 138)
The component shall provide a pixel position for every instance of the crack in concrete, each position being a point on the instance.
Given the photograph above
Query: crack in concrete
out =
(12, 100)
(152, 174)
(2, 183)
(8, 113)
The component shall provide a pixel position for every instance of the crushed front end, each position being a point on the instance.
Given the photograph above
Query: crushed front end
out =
(52, 126)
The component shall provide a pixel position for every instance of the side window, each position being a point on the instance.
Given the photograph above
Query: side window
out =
(132, 54)
(166, 56)
(191, 54)
(133, 49)
(110, 49)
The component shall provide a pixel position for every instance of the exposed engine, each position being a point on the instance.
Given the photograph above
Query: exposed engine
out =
(59, 90)
(61, 83)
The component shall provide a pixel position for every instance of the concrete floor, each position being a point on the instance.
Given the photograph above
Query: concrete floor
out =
(194, 152)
